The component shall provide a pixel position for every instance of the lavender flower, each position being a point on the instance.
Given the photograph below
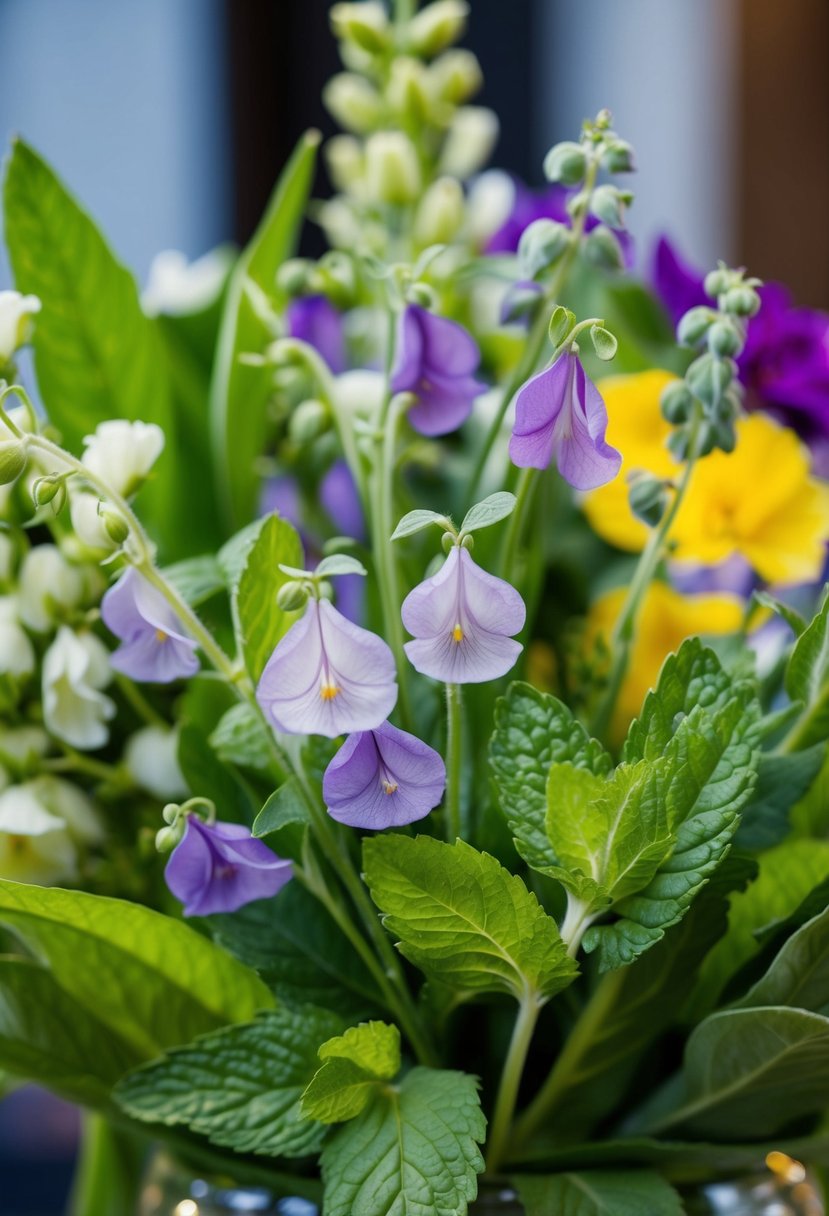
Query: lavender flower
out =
(219, 867)
(154, 647)
(435, 361)
(314, 320)
(338, 495)
(383, 778)
(559, 413)
(463, 621)
(328, 676)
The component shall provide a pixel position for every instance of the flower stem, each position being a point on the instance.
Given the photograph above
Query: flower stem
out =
(522, 1034)
(524, 493)
(454, 761)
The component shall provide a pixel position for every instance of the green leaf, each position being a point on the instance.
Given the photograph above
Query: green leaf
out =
(793, 619)
(283, 820)
(339, 563)
(208, 777)
(413, 1150)
(96, 355)
(604, 343)
(233, 555)
(463, 919)
(240, 1087)
(489, 511)
(599, 1193)
(152, 980)
(353, 1064)
(47, 1036)
(807, 677)
(196, 579)
(533, 730)
(261, 623)
(782, 780)
(799, 974)
(416, 521)
(239, 393)
(242, 738)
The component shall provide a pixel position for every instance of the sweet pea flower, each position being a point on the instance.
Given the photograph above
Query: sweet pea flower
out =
(328, 676)
(155, 648)
(220, 867)
(463, 621)
(315, 320)
(75, 670)
(560, 413)
(435, 361)
(122, 453)
(383, 778)
(16, 312)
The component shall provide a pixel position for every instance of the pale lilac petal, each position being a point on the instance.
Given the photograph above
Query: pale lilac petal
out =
(383, 778)
(313, 319)
(448, 348)
(537, 407)
(154, 647)
(409, 358)
(584, 459)
(221, 867)
(151, 660)
(475, 660)
(488, 602)
(432, 606)
(338, 495)
(119, 611)
(444, 405)
(435, 360)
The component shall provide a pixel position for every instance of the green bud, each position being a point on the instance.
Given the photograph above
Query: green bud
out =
(742, 301)
(561, 322)
(408, 91)
(171, 812)
(619, 157)
(724, 338)
(448, 542)
(604, 342)
(469, 141)
(602, 249)
(308, 421)
(608, 204)
(353, 102)
(336, 277)
(566, 163)
(12, 460)
(292, 276)
(694, 325)
(440, 213)
(291, 596)
(456, 77)
(422, 294)
(725, 435)
(648, 497)
(46, 489)
(541, 245)
(365, 24)
(437, 26)
(676, 402)
(468, 542)
(392, 168)
(115, 526)
(326, 591)
(708, 377)
(344, 157)
(717, 282)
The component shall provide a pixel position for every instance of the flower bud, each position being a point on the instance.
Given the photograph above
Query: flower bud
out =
(151, 759)
(292, 596)
(724, 338)
(603, 249)
(167, 838)
(742, 301)
(48, 586)
(469, 141)
(353, 102)
(122, 453)
(16, 313)
(724, 434)
(708, 377)
(566, 163)
(308, 421)
(541, 245)
(292, 276)
(344, 157)
(676, 402)
(392, 168)
(17, 656)
(364, 24)
(408, 90)
(115, 526)
(448, 542)
(619, 157)
(423, 295)
(694, 325)
(648, 499)
(437, 26)
(608, 204)
(456, 76)
(717, 282)
(12, 460)
(49, 489)
(440, 213)
(87, 523)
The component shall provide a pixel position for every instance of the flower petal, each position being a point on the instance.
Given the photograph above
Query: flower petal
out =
(383, 778)
(537, 407)
(220, 867)
(584, 459)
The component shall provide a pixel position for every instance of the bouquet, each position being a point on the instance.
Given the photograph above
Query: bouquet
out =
(413, 762)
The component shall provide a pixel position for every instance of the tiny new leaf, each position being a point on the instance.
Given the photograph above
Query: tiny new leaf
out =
(352, 1065)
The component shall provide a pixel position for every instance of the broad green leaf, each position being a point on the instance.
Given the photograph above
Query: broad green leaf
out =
(96, 355)
(463, 919)
(261, 623)
(416, 521)
(239, 393)
(414, 1149)
(47, 1036)
(297, 949)
(196, 579)
(151, 979)
(782, 780)
(240, 1087)
(241, 738)
(339, 563)
(599, 1193)
(283, 820)
(532, 731)
(807, 678)
(748, 1073)
(489, 511)
(233, 555)
(353, 1065)
(799, 974)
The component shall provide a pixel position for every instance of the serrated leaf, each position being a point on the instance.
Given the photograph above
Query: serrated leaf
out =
(373, 1046)
(807, 677)
(353, 1064)
(339, 563)
(489, 511)
(242, 738)
(260, 622)
(240, 1087)
(463, 919)
(532, 731)
(412, 1150)
(239, 393)
(196, 579)
(416, 521)
(599, 1193)
(284, 820)
(152, 979)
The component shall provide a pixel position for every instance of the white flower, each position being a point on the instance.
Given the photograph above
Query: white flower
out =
(151, 757)
(469, 141)
(17, 655)
(75, 669)
(489, 204)
(42, 823)
(16, 312)
(122, 453)
(49, 585)
(358, 393)
(177, 287)
(87, 523)
(20, 746)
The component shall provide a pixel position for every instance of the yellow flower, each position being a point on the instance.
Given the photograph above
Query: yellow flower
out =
(758, 501)
(666, 619)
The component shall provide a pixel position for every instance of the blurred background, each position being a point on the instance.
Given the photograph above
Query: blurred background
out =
(170, 119)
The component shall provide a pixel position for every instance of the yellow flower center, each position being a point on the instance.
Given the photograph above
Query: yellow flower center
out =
(389, 787)
(457, 634)
(161, 636)
(329, 691)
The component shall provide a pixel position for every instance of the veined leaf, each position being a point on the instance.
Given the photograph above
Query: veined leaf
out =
(259, 619)
(195, 578)
(807, 677)
(599, 1193)
(240, 1087)
(152, 980)
(782, 780)
(463, 919)
(489, 511)
(352, 1066)
(283, 820)
(241, 738)
(413, 1149)
(799, 974)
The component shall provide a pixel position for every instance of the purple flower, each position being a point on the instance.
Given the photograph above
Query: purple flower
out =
(314, 320)
(463, 620)
(219, 867)
(280, 494)
(383, 778)
(560, 413)
(154, 646)
(548, 204)
(338, 495)
(328, 676)
(678, 284)
(435, 361)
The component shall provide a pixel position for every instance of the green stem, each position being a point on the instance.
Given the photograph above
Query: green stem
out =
(502, 1117)
(139, 702)
(77, 762)
(577, 921)
(510, 548)
(454, 761)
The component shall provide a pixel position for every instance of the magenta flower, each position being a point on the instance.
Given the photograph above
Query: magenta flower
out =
(154, 645)
(383, 778)
(435, 361)
(463, 621)
(560, 413)
(328, 676)
(219, 867)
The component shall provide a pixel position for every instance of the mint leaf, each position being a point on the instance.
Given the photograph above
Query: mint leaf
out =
(782, 780)
(463, 919)
(791, 616)
(532, 731)
(599, 1193)
(373, 1046)
(241, 738)
(260, 622)
(414, 1149)
(353, 1064)
(807, 677)
(240, 1087)
(489, 511)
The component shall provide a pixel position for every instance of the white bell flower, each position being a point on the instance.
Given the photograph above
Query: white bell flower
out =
(75, 669)
(88, 523)
(151, 757)
(16, 312)
(21, 746)
(17, 655)
(49, 585)
(42, 823)
(176, 287)
(122, 453)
